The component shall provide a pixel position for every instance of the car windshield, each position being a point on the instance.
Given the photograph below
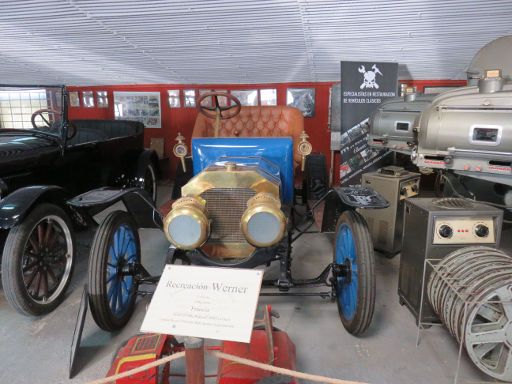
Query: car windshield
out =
(32, 109)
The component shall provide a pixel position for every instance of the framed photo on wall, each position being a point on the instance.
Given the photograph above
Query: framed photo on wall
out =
(138, 106)
(74, 99)
(303, 99)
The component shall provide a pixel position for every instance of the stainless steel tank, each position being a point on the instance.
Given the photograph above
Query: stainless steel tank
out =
(392, 124)
(469, 129)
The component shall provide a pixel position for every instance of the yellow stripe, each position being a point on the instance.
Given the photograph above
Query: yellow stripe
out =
(128, 359)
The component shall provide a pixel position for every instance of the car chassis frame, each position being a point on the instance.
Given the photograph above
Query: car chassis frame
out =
(335, 202)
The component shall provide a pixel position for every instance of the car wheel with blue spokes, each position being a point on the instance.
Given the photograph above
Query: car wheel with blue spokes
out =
(354, 273)
(114, 257)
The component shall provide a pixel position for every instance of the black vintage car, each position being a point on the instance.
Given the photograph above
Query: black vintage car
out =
(44, 160)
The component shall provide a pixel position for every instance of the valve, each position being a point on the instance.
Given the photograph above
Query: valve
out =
(180, 150)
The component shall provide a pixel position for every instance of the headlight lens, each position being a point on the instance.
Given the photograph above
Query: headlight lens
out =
(186, 225)
(263, 222)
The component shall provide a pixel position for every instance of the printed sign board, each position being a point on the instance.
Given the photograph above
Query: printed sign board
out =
(364, 85)
(213, 303)
(138, 106)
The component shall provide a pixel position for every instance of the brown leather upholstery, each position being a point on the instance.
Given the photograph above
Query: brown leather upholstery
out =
(265, 121)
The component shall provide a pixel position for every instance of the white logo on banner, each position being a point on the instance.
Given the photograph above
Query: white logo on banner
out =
(370, 77)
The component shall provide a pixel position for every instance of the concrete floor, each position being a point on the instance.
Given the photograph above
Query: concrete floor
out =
(37, 350)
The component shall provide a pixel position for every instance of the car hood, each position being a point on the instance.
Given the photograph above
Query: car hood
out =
(18, 151)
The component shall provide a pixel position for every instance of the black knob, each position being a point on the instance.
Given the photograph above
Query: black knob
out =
(482, 230)
(445, 231)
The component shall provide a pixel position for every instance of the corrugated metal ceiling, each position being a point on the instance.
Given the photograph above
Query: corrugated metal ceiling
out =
(225, 41)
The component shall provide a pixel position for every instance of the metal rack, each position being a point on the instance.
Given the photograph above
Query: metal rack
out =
(455, 290)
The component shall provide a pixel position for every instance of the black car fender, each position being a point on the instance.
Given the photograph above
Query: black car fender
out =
(136, 201)
(18, 204)
(146, 157)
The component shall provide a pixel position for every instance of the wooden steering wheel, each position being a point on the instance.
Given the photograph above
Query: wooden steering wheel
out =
(40, 112)
(218, 111)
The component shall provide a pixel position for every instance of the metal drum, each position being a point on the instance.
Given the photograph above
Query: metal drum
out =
(392, 124)
(471, 292)
(469, 130)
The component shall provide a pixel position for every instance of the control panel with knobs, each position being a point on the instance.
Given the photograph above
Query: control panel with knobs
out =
(409, 188)
(463, 230)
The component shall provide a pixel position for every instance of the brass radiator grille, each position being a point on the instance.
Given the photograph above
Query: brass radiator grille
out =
(225, 207)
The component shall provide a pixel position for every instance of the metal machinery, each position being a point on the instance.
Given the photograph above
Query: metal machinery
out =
(268, 345)
(471, 291)
(395, 184)
(393, 124)
(469, 131)
(463, 134)
(433, 228)
(237, 209)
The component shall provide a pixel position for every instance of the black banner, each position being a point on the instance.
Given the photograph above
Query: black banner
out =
(364, 85)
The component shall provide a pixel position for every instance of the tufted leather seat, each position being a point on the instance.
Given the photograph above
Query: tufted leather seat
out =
(265, 121)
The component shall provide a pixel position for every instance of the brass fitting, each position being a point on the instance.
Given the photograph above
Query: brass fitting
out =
(180, 150)
(304, 148)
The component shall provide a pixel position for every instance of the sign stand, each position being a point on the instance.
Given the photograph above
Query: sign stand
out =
(194, 360)
(364, 85)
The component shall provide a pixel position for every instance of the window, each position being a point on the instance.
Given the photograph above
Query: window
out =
(208, 101)
(223, 101)
(401, 125)
(102, 99)
(485, 135)
(88, 99)
(17, 107)
(174, 98)
(268, 96)
(247, 98)
(190, 98)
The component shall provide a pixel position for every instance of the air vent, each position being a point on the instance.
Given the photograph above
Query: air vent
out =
(453, 203)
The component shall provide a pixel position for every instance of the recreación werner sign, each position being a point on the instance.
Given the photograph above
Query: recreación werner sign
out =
(214, 303)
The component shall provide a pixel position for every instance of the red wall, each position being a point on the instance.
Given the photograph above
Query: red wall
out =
(182, 119)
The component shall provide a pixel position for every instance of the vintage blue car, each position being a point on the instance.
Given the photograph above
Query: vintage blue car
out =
(237, 207)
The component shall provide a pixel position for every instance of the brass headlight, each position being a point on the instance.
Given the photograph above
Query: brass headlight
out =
(186, 225)
(263, 223)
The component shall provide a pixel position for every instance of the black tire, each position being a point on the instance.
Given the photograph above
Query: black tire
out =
(361, 318)
(150, 181)
(103, 313)
(40, 250)
(180, 258)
